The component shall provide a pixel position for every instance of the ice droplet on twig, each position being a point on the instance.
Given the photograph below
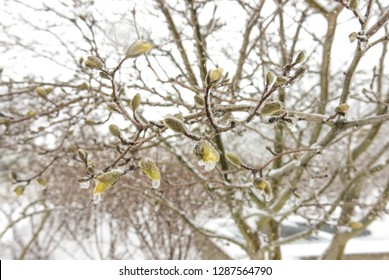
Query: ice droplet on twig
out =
(209, 166)
(84, 185)
(96, 198)
(155, 184)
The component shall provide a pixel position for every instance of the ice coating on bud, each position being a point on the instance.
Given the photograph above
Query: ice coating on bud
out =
(301, 57)
(138, 48)
(234, 159)
(93, 62)
(135, 102)
(105, 181)
(214, 76)
(270, 78)
(270, 108)
(114, 130)
(175, 124)
(149, 168)
(206, 154)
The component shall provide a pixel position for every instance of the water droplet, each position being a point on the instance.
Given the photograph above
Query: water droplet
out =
(311, 182)
(84, 185)
(155, 184)
(96, 198)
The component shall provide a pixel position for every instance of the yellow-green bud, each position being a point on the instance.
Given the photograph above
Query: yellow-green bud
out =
(353, 36)
(149, 168)
(138, 48)
(179, 116)
(280, 81)
(83, 86)
(270, 77)
(90, 169)
(14, 175)
(82, 154)
(41, 92)
(175, 124)
(105, 181)
(31, 113)
(270, 108)
(342, 109)
(261, 184)
(301, 57)
(114, 130)
(135, 102)
(19, 190)
(301, 71)
(234, 159)
(199, 100)
(214, 76)
(206, 155)
(93, 62)
(353, 5)
(41, 181)
(90, 122)
(104, 75)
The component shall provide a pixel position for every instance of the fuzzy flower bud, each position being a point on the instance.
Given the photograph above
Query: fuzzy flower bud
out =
(19, 190)
(206, 155)
(138, 48)
(135, 102)
(149, 168)
(214, 76)
(342, 109)
(234, 159)
(270, 78)
(93, 62)
(270, 108)
(175, 124)
(114, 130)
(105, 181)
(301, 57)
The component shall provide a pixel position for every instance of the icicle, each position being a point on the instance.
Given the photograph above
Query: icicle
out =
(155, 184)
(84, 185)
(96, 198)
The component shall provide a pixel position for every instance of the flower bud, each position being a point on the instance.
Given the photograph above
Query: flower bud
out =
(270, 108)
(175, 124)
(104, 75)
(301, 71)
(83, 86)
(353, 36)
(149, 168)
(214, 76)
(41, 92)
(280, 81)
(19, 190)
(138, 48)
(234, 159)
(301, 57)
(135, 102)
(41, 181)
(82, 154)
(206, 155)
(270, 77)
(199, 100)
(93, 62)
(105, 181)
(342, 109)
(114, 130)
(353, 5)
(261, 184)
(31, 114)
